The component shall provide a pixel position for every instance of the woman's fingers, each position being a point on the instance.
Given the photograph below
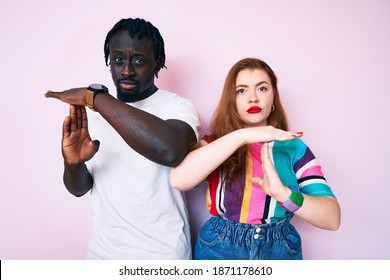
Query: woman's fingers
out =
(257, 180)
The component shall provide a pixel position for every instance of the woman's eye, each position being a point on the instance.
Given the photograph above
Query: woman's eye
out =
(240, 91)
(263, 89)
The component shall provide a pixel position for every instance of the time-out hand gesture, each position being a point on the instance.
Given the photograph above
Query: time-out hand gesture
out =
(77, 146)
(271, 183)
(267, 134)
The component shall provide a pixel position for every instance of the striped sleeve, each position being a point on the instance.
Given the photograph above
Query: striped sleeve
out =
(309, 174)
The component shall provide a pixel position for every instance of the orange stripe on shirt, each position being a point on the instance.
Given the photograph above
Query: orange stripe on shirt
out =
(247, 190)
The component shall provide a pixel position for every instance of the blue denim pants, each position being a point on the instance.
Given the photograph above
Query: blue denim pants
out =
(222, 239)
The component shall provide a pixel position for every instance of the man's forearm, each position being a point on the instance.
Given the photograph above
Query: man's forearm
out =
(77, 179)
(163, 142)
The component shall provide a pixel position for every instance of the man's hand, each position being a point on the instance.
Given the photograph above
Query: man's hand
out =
(73, 96)
(77, 146)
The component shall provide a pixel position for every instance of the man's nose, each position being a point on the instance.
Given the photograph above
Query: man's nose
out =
(127, 70)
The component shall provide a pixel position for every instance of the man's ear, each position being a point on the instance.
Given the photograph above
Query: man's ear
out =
(157, 69)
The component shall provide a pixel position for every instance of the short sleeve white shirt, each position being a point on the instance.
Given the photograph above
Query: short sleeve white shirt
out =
(136, 213)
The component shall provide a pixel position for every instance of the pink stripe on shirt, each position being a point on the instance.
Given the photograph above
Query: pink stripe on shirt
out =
(313, 170)
(258, 197)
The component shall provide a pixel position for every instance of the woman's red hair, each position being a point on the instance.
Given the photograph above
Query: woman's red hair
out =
(226, 118)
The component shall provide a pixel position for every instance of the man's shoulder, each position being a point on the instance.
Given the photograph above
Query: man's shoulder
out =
(163, 93)
(167, 98)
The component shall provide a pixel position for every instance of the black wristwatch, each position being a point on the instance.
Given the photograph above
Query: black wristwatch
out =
(90, 93)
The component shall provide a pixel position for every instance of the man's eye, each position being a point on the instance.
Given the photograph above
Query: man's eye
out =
(118, 59)
(138, 61)
(240, 91)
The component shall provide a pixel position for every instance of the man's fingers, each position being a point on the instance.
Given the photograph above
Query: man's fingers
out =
(73, 118)
(65, 127)
(84, 123)
(79, 116)
(50, 93)
(95, 144)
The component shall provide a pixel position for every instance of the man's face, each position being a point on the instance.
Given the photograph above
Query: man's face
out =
(133, 66)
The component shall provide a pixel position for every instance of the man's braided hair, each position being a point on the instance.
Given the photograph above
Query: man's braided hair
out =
(141, 28)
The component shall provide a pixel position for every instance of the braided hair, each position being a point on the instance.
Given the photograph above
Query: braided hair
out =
(141, 28)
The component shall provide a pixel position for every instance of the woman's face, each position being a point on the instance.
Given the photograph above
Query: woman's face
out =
(254, 97)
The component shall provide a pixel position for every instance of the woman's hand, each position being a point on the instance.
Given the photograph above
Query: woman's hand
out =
(271, 183)
(267, 134)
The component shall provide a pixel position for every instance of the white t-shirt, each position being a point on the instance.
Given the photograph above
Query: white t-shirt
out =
(136, 213)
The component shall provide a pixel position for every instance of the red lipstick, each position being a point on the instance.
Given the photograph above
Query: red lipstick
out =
(254, 110)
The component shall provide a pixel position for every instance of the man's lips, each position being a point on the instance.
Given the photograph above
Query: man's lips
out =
(127, 85)
(254, 110)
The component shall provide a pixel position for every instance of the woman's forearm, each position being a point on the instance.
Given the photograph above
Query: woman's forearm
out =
(320, 211)
(199, 163)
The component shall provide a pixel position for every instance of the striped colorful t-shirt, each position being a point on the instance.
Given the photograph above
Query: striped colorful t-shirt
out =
(295, 165)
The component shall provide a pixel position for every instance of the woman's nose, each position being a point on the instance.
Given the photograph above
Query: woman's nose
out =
(253, 98)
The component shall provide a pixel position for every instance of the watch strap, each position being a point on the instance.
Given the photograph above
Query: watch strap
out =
(89, 99)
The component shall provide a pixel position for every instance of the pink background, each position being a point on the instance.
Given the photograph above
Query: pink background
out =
(332, 59)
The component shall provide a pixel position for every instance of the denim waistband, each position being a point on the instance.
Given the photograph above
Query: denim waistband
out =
(247, 233)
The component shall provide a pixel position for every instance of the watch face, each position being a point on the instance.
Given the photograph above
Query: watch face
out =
(96, 86)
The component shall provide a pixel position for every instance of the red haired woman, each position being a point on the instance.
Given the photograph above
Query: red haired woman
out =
(259, 174)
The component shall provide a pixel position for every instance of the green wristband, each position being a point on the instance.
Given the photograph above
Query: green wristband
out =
(295, 201)
(297, 198)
